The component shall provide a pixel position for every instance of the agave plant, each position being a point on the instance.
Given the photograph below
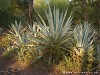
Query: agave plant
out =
(24, 45)
(83, 38)
(1, 29)
(1, 32)
(19, 37)
(33, 29)
(53, 37)
(17, 29)
(98, 52)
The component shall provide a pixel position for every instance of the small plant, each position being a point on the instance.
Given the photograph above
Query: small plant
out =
(69, 66)
(98, 56)
(19, 36)
(1, 32)
(82, 45)
(83, 38)
(10, 51)
(17, 29)
(1, 29)
(5, 41)
(24, 46)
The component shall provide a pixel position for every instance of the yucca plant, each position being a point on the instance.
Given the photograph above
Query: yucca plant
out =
(19, 37)
(24, 46)
(98, 51)
(83, 39)
(33, 29)
(52, 38)
(98, 56)
(1, 31)
(17, 29)
(18, 34)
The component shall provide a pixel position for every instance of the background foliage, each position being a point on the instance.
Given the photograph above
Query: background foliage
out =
(11, 10)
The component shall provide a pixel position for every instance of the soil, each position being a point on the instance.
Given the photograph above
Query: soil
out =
(14, 68)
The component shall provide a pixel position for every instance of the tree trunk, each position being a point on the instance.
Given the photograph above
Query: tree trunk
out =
(30, 11)
(85, 15)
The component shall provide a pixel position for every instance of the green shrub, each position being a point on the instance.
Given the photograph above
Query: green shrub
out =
(10, 52)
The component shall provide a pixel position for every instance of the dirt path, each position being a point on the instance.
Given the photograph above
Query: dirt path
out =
(4, 63)
(6, 69)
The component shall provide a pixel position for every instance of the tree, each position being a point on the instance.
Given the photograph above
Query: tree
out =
(30, 11)
(4, 5)
(4, 12)
(86, 10)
